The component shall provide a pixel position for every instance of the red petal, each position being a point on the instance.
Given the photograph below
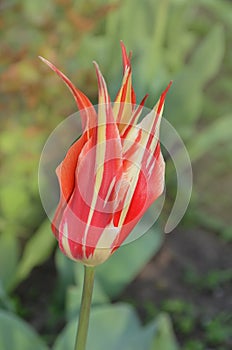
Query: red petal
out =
(66, 176)
(134, 117)
(86, 108)
(125, 58)
(127, 88)
(162, 98)
(89, 209)
(146, 192)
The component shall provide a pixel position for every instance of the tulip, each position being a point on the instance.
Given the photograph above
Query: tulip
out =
(108, 178)
(111, 174)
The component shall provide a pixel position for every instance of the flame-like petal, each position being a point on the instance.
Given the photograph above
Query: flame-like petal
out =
(87, 111)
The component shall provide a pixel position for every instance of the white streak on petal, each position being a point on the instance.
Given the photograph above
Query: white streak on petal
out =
(151, 167)
(65, 242)
(109, 191)
(108, 236)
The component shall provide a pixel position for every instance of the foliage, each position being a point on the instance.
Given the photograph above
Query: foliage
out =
(16, 334)
(118, 327)
(37, 249)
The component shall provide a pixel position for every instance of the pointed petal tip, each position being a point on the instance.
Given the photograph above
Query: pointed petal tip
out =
(43, 59)
(164, 93)
(169, 85)
(102, 88)
(145, 97)
(95, 64)
(125, 58)
(123, 47)
(48, 63)
(162, 97)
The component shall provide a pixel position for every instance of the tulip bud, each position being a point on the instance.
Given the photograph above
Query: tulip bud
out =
(112, 174)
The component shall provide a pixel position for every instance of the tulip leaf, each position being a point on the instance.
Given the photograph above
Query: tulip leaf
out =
(14, 197)
(117, 327)
(111, 327)
(37, 250)
(184, 101)
(207, 59)
(5, 302)
(65, 270)
(164, 337)
(125, 264)
(206, 140)
(220, 9)
(9, 254)
(15, 334)
(74, 294)
(108, 326)
(71, 276)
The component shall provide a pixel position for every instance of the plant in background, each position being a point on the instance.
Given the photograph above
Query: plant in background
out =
(108, 179)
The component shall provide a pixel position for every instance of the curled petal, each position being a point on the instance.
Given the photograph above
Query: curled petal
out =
(86, 108)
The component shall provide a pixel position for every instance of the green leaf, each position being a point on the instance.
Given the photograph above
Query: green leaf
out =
(117, 327)
(122, 267)
(164, 338)
(111, 327)
(37, 250)
(207, 59)
(14, 198)
(112, 275)
(184, 102)
(206, 140)
(219, 9)
(65, 268)
(9, 254)
(5, 302)
(17, 335)
(74, 294)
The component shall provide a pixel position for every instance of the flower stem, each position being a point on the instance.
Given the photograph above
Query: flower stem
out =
(83, 323)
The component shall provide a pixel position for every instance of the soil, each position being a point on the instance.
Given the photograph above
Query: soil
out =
(35, 300)
(167, 277)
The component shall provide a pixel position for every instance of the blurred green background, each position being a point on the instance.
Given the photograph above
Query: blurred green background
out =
(182, 40)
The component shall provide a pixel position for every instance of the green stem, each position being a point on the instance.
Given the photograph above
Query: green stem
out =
(83, 323)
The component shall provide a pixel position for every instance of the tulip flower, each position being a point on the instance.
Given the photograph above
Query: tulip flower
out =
(108, 179)
(111, 174)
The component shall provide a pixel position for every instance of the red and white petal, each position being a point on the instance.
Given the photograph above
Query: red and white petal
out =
(123, 105)
(89, 210)
(125, 99)
(144, 168)
(126, 60)
(87, 111)
(66, 178)
(146, 192)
